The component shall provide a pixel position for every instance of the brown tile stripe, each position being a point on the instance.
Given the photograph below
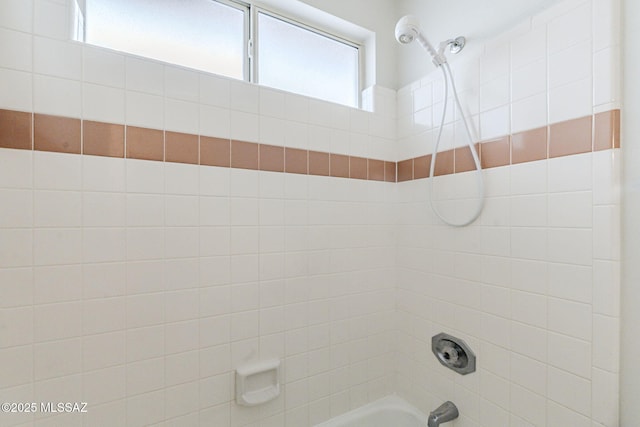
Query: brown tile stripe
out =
(570, 137)
(16, 130)
(57, 134)
(181, 148)
(102, 139)
(463, 159)
(375, 170)
(495, 153)
(529, 146)
(145, 144)
(42, 132)
(405, 170)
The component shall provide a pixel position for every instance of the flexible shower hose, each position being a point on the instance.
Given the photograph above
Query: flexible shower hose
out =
(446, 71)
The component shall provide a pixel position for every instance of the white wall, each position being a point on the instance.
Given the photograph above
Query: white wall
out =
(533, 285)
(442, 20)
(630, 349)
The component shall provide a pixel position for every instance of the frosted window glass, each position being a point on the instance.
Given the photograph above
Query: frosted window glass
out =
(298, 60)
(201, 34)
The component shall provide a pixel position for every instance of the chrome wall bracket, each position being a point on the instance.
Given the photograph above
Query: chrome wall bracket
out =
(453, 353)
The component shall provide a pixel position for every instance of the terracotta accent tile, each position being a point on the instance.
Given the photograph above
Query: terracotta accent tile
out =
(215, 151)
(464, 159)
(570, 137)
(318, 163)
(339, 165)
(405, 170)
(244, 155)
(181, 148)
(145, 144)
(529, 146)
(421, 167)
(102, 139)
(375, 170)
(357, 167)
(444, 163)
(495, 153)
(271, 158)
(16, 130)
(390, 171)
(54, 133)
(296, 161)
(606, 130)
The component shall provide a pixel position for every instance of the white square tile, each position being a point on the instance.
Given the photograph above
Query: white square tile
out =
(17, 208)
(571, 101)
(244, 97)
(181, 84)
(57, 58)
(215, 121)
(17, 365)
(17, 90)
(569, 390)
(104, 280)
(529, 373)
(57, 246)
(18, 50)
(607, 82)
(103, 244)
(529, 308)
(573, 246)
(17, 15)
(571, 282)
(181, 242)
(144, 76)
(57, 359)
(101, 103)
(570, 318)
(606, 288)
(570, 65)
(57, 284)
(528, 47)
(103, 315)
(51, 19)
(57, 209)
(145, 243)
(103, 210)
(570, 28)
(56, 96)
(145, 177)
(580, 364)
(529, 113)
(144, 110)
(145, 210)
(103, 174)
(605, 397)
(570, 173)
(181, 211)
(528, 405)
(144, 343)
(606, 232)
(529, 341)
(18, 326)
(559, 415)
(494, 93)
(571, 209)
(181, 116)
(104, 350)
(181, 336)
(103, 67)
(606, 343)
(529, 80)
(245, 126)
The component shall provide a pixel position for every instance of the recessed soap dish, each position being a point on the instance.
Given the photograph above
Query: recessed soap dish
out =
(258, 383)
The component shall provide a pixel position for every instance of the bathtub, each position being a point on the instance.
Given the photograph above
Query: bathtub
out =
(390, 411)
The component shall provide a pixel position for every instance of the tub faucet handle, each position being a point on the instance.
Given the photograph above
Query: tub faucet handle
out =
(442, 414)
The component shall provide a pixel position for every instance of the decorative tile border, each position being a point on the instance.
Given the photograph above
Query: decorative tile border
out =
(582, 135)
(41, 132)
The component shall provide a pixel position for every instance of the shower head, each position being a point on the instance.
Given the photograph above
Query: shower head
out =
(408, 30)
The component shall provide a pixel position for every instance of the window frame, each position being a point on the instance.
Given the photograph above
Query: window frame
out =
(251, 38)
(255, 40)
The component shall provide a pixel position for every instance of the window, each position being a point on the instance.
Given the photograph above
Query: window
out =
(214, 36)
(301, 60)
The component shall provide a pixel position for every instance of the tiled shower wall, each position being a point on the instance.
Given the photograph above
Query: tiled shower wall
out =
(533, 285)
(138, 285)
